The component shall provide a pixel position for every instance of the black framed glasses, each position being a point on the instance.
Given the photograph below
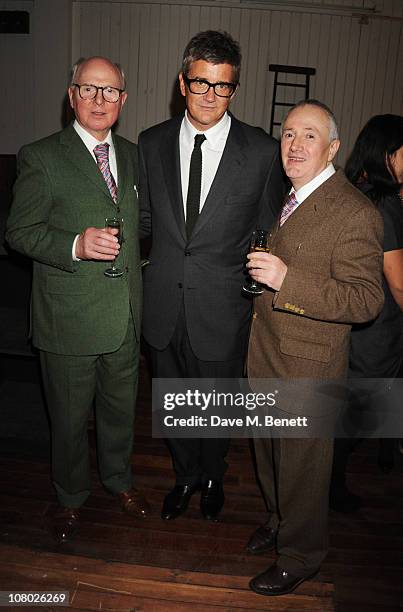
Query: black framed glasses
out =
(201, 86)
(89, 92)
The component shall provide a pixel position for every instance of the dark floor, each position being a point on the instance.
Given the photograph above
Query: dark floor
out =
(188, 564)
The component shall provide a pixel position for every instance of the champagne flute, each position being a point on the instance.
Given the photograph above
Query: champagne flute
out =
(260, 241)
(115, 223)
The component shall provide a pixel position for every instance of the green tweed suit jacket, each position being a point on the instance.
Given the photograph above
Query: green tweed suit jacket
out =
(59, 192)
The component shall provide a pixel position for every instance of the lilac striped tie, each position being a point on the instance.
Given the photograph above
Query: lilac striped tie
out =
(290, 204)
(101, 153)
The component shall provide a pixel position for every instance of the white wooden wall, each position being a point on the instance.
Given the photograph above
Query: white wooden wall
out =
(17, 88)
(359, 66)
(34, 72)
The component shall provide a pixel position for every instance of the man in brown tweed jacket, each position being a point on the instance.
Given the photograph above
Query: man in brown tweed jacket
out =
(324, 273)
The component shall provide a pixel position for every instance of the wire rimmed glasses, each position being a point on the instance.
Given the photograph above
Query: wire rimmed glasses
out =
(89, 92)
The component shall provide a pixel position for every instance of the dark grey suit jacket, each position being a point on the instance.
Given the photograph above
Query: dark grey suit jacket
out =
(207, 272)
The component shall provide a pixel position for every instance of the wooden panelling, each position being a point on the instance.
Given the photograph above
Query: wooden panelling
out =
(359, 66)
(34, 70)
(17, 91)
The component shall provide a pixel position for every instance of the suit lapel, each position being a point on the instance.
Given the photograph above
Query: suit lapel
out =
(274, 230)
(122, 162)
(232, 159)
(304, 218)
(78, 155)
(316, 203)
(170, 159)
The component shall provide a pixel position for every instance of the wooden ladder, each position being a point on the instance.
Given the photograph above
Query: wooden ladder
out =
(277, 69)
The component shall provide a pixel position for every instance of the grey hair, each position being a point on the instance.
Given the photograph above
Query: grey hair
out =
(333, 129)
(215, 47)
(83, 60)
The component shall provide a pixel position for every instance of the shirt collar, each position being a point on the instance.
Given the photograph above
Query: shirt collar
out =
(90, 141)
(216, 136)
(316, 182)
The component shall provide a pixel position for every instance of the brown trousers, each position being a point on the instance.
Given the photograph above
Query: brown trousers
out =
(295, 477)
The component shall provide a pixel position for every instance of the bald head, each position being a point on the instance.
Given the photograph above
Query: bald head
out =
(93, 80)
(97, 59)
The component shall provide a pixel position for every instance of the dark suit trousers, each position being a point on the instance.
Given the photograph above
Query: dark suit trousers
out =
(71, 385)
(194, 459)
(295, 476)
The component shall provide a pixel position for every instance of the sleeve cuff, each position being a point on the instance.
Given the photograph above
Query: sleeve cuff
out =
(73, 249)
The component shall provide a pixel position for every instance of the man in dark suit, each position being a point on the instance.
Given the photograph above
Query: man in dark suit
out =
(206, 181)
(86, 325)
(323, 274)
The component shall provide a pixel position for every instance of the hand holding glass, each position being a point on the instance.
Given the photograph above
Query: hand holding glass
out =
(260, 241)
(117, 224)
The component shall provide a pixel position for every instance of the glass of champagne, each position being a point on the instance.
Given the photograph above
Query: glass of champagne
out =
(260, 241)
(117, 224)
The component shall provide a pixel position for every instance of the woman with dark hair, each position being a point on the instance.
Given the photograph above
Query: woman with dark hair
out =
(375, 166)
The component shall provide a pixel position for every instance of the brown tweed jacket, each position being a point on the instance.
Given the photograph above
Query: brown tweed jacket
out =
(332, 245)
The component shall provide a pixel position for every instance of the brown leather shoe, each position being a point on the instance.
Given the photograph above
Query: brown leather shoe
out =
(275, 581)
(65, 524)
(262, 540)
(133, 502)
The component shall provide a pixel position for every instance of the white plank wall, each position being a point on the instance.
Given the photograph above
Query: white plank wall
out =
(359, 66)
(17, 116)
(34, 69)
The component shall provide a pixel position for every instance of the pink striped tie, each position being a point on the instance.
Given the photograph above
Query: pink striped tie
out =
(101, 153)
(290, 204)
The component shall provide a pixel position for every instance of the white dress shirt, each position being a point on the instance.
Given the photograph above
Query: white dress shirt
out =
(91, 142)
(212, 150)
(310, 187)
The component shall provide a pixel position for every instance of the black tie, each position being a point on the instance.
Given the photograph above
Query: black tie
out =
(194, 188)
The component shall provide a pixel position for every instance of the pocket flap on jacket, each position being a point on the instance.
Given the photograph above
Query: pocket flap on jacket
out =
(306, 349)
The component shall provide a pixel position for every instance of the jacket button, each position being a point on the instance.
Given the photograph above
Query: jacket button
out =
(127, 269)
(180, 285)
(187, 253)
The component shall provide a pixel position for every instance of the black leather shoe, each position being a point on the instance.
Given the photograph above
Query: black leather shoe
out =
(177, 501)
(212, 499)
(275, 581)
(262, 540)
(65, 524)
(133, 502)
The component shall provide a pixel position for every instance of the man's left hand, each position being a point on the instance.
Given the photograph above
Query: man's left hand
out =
(267, 269)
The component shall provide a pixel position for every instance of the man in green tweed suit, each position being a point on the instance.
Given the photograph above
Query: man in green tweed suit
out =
(86, 325)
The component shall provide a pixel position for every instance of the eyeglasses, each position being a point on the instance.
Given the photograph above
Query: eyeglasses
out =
(201, 86)
(89, 92)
